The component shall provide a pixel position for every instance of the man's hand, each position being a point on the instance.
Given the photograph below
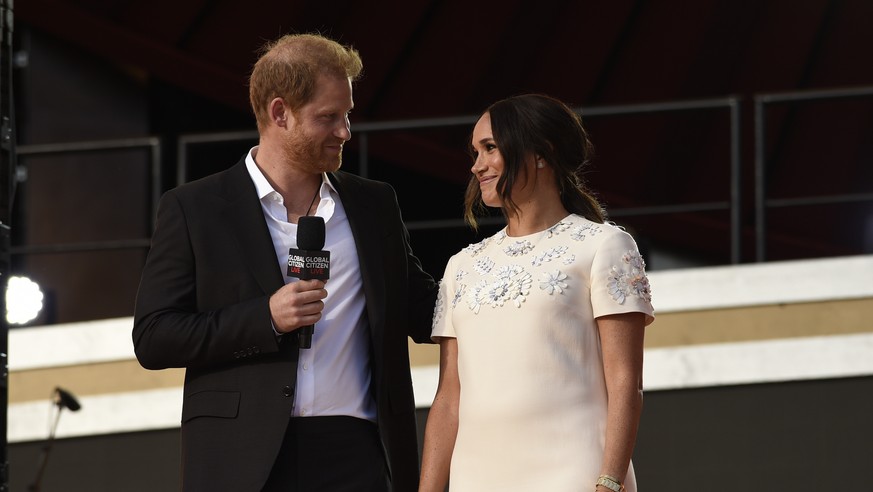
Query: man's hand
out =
(297, 304)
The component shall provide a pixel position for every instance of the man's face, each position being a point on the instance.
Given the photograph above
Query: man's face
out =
(318, 129)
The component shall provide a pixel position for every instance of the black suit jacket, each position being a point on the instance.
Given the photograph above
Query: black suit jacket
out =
(203, 305)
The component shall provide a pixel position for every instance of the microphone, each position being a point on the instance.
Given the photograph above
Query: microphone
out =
(67, 400)
(309, 262)
(63, 399)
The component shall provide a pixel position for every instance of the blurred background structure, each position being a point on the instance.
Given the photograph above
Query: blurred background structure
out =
(733, 138)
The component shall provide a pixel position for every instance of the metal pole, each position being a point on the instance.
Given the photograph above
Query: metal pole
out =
(736, 184)
(760, 185)
(7, 165)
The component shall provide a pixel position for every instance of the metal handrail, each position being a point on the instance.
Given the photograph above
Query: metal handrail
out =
(199, 138)
(762, 203)
(362, 130)
(732, 103)
(151, 143)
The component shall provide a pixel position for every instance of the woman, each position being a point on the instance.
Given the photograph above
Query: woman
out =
(541, 325)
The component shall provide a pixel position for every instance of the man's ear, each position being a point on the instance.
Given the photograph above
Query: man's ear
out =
(278, 112)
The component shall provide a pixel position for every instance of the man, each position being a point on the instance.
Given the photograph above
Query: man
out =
(259, 413)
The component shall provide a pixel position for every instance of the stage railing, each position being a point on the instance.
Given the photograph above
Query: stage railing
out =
(152, 144)
(362, 132)
(762, 201)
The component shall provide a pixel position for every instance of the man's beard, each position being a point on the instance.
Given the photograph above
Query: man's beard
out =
(309, 156)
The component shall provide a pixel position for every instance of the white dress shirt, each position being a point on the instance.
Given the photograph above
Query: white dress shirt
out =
(333, 377)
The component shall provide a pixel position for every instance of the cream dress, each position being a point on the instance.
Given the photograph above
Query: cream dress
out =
(532, 413)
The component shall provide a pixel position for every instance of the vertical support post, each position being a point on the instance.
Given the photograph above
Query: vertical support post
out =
(7, 186)
(736, 184)
(760, 184)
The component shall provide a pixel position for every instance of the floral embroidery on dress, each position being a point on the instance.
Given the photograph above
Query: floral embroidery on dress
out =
(629, 279)
(520, 288)
(440, 306)
(483, 265)
(518, 248)
(496, 293)
(473, 301)
(553, 282)
(458, 295)
(569, 260)
(552, 254)
(508, 271)
(580, 232)
(513, 286)
(475, 248)
(460, 274)
(559, 228)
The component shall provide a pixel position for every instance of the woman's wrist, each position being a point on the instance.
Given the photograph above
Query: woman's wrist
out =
(608, 482)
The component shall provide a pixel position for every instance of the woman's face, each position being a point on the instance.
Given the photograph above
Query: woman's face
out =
(488, 162)
(488, 165)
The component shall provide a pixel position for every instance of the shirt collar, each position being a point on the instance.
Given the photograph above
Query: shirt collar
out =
(264, 188)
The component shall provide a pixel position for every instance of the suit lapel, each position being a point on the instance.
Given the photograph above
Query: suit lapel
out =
(367, 233)
(244, 214)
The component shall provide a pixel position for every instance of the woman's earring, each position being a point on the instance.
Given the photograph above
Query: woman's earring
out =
(540, 164)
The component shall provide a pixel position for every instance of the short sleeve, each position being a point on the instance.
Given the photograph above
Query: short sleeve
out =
(618, 278)
(442, 316)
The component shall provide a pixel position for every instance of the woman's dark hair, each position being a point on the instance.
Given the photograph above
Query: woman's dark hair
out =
(538, 125)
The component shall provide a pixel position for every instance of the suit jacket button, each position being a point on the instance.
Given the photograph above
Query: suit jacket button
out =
(287, 391)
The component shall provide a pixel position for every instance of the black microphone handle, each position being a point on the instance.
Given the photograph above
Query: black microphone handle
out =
(310, 239)
(304, 336)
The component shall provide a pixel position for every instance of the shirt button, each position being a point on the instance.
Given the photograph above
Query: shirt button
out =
(303, 412)
(305, 367)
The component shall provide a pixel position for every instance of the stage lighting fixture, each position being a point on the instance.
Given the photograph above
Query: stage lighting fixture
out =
(23, 300)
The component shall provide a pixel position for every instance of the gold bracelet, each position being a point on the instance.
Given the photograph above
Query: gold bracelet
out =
(610, 477)
(610, 483)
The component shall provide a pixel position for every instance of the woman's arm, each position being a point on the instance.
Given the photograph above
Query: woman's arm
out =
(621, 337)
(442, 422)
